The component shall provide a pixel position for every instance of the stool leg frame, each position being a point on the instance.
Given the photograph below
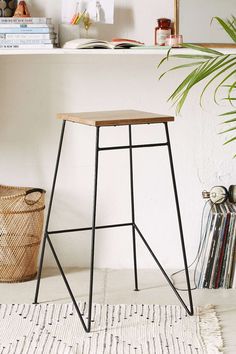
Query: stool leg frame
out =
(49, 213)
(47, 238)
(190, 312)
(93, 229)
(132, 209)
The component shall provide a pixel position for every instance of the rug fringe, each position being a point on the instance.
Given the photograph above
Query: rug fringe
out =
(210, 328)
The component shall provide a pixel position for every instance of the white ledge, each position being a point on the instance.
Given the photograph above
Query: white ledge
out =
(60, 51)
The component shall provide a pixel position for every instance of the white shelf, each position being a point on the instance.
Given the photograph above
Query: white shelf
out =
(60, 51)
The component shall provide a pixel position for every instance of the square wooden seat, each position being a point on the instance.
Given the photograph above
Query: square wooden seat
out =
(111, 118)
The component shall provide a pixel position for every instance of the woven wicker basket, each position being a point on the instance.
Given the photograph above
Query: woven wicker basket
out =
(21, 223)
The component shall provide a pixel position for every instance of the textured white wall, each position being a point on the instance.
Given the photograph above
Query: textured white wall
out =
(32, 91)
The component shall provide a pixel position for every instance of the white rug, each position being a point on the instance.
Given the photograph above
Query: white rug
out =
(117, 329)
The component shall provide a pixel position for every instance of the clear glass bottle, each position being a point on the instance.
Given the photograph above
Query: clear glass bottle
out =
(174, 40)
(162, 31)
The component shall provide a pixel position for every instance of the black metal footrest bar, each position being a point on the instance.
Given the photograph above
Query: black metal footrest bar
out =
(131, 146)
(88, 228)
(189, 311)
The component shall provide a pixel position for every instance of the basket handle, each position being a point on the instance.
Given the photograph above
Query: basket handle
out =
(34, 190)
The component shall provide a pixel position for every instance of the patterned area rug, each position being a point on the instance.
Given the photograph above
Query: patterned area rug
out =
(116, 329)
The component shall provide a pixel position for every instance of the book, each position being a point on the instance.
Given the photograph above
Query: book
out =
(25, 20)
(226, 252)
(216, 264)
(26, 41)
(233, 283)
(233, 274)
(206, 224)
(231, 243)
(212, 249)
(222, 252)
(26, 46)
(218, 235)
(84, 43)
(26, 30)
(206, 245)
(232, 267)
(22, 36)
(24, 25)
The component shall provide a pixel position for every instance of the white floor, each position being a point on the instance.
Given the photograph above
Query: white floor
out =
(116, 286)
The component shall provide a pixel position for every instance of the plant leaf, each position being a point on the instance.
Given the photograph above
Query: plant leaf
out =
(225, 79)
(230, 140)
(228, 28)
(214, 68)
(231, 88)
(229, 121)
(227, 113)
(228, 130)
(182, 85)
(201, 48)
(233, 85)
(180, 67)
(191, 56)
(198, 75)
(164, 59)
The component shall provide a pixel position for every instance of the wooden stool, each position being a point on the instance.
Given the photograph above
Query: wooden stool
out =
(104, 119)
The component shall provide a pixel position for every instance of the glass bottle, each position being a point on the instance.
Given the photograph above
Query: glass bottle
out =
(162, 30)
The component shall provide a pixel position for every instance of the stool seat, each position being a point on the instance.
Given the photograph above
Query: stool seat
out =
(111, 118)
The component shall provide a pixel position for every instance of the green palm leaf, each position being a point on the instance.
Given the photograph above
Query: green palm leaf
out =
(211, 65)
(228, 26)
(227, 113)
(199, 48)
(228, 130)
(230, 140)
(229, 121)
(231, 89)
(180, 67)
(225, 79)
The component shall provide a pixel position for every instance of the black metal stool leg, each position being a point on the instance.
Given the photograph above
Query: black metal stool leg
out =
(132, 209)
(93, 232)
(179, 221)
(49, 213)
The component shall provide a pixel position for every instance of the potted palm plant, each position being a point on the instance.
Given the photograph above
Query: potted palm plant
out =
(215, 68)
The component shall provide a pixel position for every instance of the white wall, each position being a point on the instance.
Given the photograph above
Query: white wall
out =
(133, 18)
(34, 89)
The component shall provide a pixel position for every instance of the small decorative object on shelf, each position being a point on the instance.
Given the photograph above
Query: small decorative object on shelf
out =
(162, 31)
(174, 40)
(22, 10)
(7, 8)
(87, 22)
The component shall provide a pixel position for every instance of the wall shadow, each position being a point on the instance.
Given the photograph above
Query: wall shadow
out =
(123, 23)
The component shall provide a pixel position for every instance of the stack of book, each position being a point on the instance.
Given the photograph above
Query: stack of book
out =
(26, 33)
(217, 259)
